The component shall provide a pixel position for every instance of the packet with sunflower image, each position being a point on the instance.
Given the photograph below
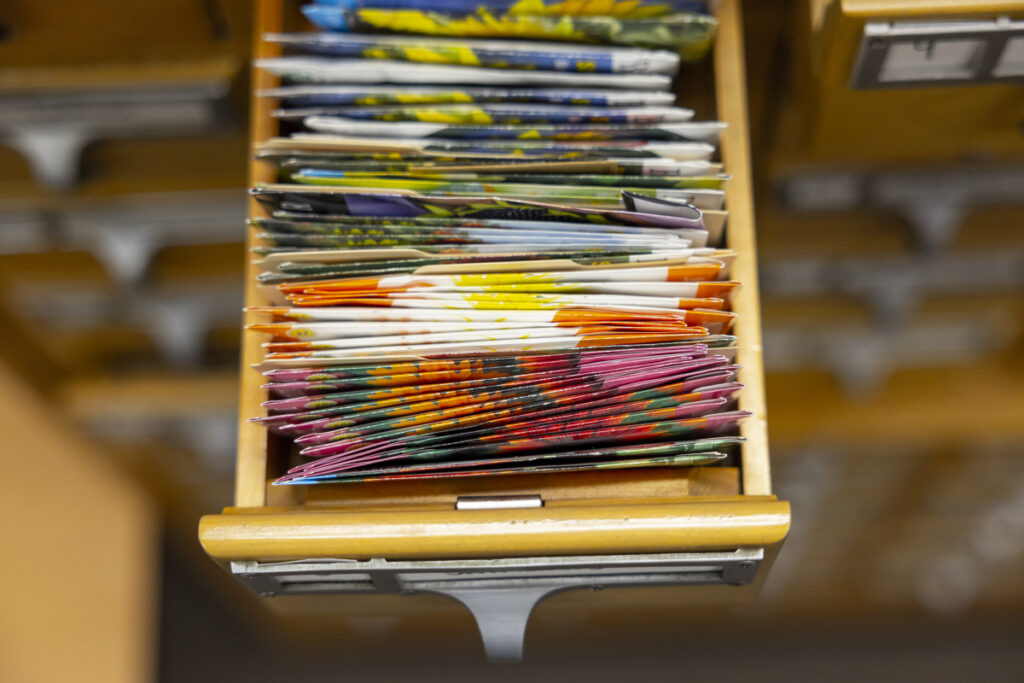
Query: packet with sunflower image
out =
(609, 23)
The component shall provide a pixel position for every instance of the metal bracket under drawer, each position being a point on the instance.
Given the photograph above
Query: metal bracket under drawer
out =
(500, 593)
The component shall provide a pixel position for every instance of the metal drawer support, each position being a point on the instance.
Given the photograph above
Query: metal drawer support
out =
(51, 129)
(500, 593)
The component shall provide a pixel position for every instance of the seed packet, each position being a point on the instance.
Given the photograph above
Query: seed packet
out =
(700, 131)
(306, 70)
(493, 54)
(689, 33)
(489, 114)
(332, 95)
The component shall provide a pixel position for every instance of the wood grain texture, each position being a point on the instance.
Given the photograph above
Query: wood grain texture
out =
(649, 485)
(554, 530)
(730, 81)
(593, 485)
(251, 464)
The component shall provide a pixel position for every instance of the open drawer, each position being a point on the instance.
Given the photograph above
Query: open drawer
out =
(500, 544)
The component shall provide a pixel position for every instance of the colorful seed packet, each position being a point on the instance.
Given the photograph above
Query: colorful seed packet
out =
(492, 257)
(699, 131)
(630, 8)
(335, 95)
(493, 54)
(689, 33)
(489, 114)
(491, 150)
(304, 69)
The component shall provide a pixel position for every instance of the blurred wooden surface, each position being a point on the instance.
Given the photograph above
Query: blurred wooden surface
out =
(156, 395)
(902, 493)
(828, 121)
(120, 35)
(79, 572)
(81, 540)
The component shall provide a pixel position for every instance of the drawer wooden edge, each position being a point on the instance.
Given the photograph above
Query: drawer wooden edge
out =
(731, 96)
(285, 534)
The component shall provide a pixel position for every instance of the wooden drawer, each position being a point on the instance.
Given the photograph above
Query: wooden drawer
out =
(588, 514)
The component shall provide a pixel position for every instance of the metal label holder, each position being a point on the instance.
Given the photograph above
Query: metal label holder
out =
(881, 40)
(500, 593)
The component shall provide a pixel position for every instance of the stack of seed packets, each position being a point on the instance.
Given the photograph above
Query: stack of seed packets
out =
(489, 256)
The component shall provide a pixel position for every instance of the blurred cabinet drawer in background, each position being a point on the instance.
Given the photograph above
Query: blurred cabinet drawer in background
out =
(927, 117)
(169, 71)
